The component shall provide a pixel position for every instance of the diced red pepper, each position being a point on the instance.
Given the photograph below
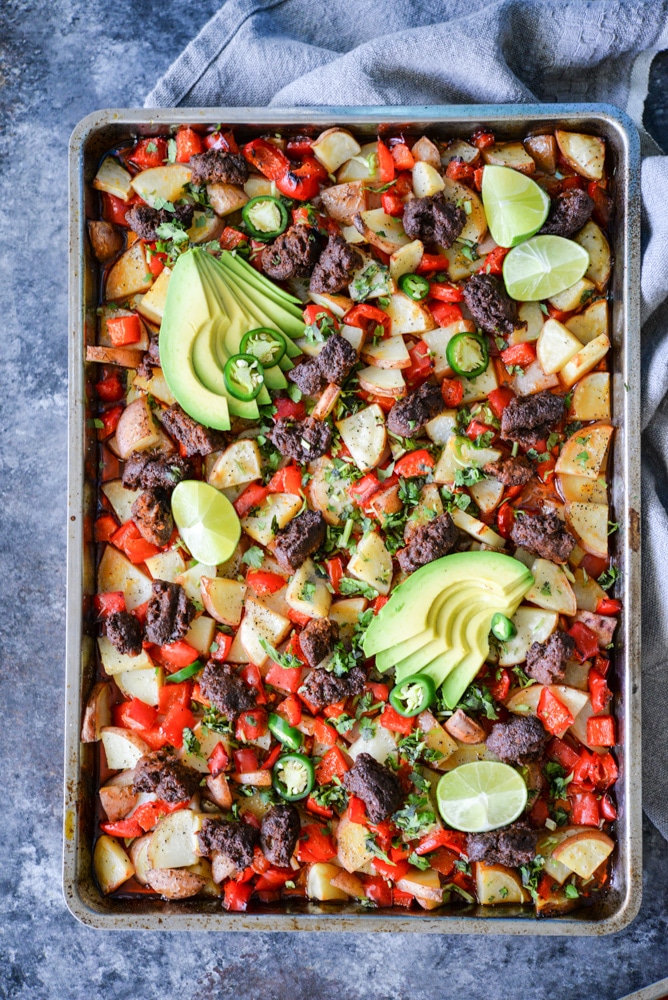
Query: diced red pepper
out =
(174, 694)
(138, 550)
(287, 480)
(292, 710)
(303, 182)
(134, 714)
(422, 364)
(386, 164)
(601, 664)
(333, 764)
(324, 733)
(105, 527)
(452, 391)
(300, 146)
(538, 813)
(431, 262)
(493, 262)
(443, 860)
(390, 719)
(402, 156)
(608, 770)
(334, 710)
(586, 640)
(446, 313)
(317, 810)
(445, 292)
(361, 491)
(561, 752)
(237, 895)
(188, 143)
(505, 520)
(442, 838)
(584, 809)
(149, 153)
(392, 204)
(608, 606)
(221, 140)
(252, 676)
(601, 731)
(553, 713)
(379, 603)
(499, 686)
(178, 654)
(400, 898)
(272, 757)
(357, 811)
(608, 810)
(477, 178)
(285, 680)
(482, 139)
(140, 612)
(231, 238)
(218, 760)
(156, 261)
(224, 643)
(599, 691)
(519, 354)
(363, 314)
(314, 314)
(263, 582)
(298, 617)
(109, 420)
(458, 170)
(476, 428)
(602, 204)
(273, 878)
(251, 725)
(122, 828)
(559, 314)
(110, 390)
(287, 408)
(252, 496)
(393, 870)
(110, 603)
(377, 889)
(177, 719)
(114, 209)
(148, 814)
(335, 572)
(266, 158)
(245, 760)
(380, 692)
(415, 463)
(315, 844)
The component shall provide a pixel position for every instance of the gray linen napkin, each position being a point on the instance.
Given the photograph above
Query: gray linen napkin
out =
(365, 52)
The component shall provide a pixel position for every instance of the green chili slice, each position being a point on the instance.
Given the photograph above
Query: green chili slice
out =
(267, 345)
(502, 627)
(265, 217)
(413, 695)
(244, 377)
(285, 733)
(468, 354)
(293, 776)
(184, 673)
(415, 286)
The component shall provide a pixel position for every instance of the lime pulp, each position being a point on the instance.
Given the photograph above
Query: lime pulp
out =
(207, 521)
(515, 206)
(480, 796)
(542, 267)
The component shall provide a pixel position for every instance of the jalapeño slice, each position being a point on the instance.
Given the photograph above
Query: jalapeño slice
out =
(284, 732)
(468, 354)
(413, 695)
(184, 673)
(502, 627)
(244, 377)
(265, 217)
(293, 776)
(267, 345)
(414, 286)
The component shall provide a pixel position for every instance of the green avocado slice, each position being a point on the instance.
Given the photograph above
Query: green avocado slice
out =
(438, 641)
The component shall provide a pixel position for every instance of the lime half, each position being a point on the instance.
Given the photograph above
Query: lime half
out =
(481, 796)
(542, 267)
(515, 206)
(207, 521)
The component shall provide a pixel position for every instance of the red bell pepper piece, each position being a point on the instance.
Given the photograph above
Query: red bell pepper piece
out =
(221, 140)
(586, 640)
(538, 813)
(363, 314)
(445, 292)
(477, 178)
(386, 164)
(156, 261)
(266, 158)
(482, 139)
(149, 153)
(446, 313)
(499, 686)
(127, 532)
(263, 582)
(251, 725)
(272, 757)
(602, 204)
(396, 723)
(114, 209)
(273, 878)
(287, 480)
(380, 692)
(452, 391)
(608, 770)
(314, 315)
(218, 760)
(392, 204)
(110, 603)
(393, 869)
(498, 400)
(178, 654)
(505, 519)
(361, 491)
(287, 408)
(138, 550)
(122, 828)
(302, 183)
(402, 156)
(177, 719)
(519, 354)
(476, 428)
(231, 238)
(299, 147)
(442, 838)
(379, 603)
(584, 809)
(245, 760)
(109, 420)
(357, 811)
(335, 572)
(252, 676)
(599, 691)
(601, 731)
(105, 527)
(252, 496)
(285, 680)
(188, 143)
(224, 643)
(432, 262)
(324, 733)
(237, 895)
(422, 364)
(378, 890)
(333, 764)
(457, 170)
(400, 898)
(608, 810)
(559, 314)
(553, 713)
(292, 710)
(148, 814)
(315, 844)
(174, 694)
(110, 390)
(415, 463)
(608, 606)
(443, 860)
(134, 714)
(562, 753)
(334, 710)
(493, 262)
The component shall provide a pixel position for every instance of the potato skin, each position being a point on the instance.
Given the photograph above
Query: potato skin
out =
(106, 240)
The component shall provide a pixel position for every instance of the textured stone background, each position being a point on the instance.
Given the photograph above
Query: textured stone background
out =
(59, 60)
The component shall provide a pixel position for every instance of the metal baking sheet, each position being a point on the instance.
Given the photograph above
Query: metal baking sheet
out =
(105, 129)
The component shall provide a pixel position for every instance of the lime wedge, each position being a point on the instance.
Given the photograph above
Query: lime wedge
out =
(207, 521)
(481, 796)
(543, 267)
(515, 206)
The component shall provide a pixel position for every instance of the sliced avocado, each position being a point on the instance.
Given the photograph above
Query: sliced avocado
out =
(262, 311)
(207, 367)
(475, 643)
(407, 613)
(187, 310)
(408, 660)
(248, 273)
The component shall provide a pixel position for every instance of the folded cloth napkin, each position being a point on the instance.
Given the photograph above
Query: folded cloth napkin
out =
(366, 52)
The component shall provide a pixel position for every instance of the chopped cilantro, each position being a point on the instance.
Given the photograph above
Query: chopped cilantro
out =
(253, 557)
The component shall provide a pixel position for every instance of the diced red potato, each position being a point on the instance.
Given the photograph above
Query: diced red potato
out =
(117, 801)
(97, 713)
(463, 728)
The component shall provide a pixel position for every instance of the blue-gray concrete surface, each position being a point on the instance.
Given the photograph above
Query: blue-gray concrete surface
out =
(59, 60)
